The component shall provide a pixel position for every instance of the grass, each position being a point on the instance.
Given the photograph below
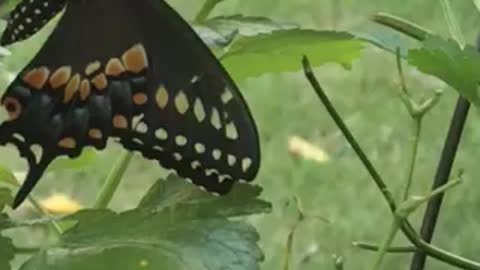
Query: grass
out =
(339, 190)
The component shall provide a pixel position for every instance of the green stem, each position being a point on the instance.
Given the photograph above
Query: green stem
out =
(395, 227)
(406, 227)
(206, 9)
(113, 180)
(452, 23)
(348, 135)
(374, 247)
(417, 127)
(406, 27)
(26, 250)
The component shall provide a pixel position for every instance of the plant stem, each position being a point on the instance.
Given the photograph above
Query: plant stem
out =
(417, 126)
(348, 135)
(401, 25)
(206, 9)
(53, 225)
(113, 180)
(406, 227)
(387, 242)
(374, 247)
(26, 250)
(452, 23)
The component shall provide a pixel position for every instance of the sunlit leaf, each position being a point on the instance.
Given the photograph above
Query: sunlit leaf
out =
(175, 227)
(245, 25)
(477, 4)
(281, 51)
(460, 68)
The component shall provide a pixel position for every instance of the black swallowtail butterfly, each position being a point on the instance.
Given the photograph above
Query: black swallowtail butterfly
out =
(132, 70)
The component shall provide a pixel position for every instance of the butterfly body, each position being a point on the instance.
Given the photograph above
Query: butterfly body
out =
(134, 71)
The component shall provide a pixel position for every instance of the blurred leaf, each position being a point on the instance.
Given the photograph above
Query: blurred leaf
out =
(281, 51)
(7, 177)
(242, 200)
(184, 229)
(245, 25)
(213, 38)
(88, 157)
(6, 253)
(460, 68)
(7, 5)
(4, 221)
(4, 52)
(477, 4)
(385, 39)
(6, 198)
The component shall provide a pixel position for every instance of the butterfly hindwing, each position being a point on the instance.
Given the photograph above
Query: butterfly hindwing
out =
(28, 17)
(134, 71)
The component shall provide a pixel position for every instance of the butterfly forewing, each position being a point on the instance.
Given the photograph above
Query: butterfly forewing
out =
(28, 17)
(134, 71)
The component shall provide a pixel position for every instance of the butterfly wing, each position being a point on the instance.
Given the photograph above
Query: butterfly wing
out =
(28, 17)
(136, 71)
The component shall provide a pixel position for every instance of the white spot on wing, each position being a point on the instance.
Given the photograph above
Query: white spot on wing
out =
(215, 119)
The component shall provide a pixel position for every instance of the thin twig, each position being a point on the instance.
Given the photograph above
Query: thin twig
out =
(374, 247)
(406, 227)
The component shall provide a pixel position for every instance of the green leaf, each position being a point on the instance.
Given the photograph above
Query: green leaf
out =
(88, 157)
(281, 51)
(175, 227)
(6, 253)
(7, 177)
(6, 198)
(4, 52)
(174, 191)
(460, 68)
(245, 25)
(477, 4)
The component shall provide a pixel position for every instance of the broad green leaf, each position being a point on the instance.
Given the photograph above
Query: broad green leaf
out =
(175, 227)
(174, 191)
(6, 198)
(282, 51)
(460, 68)
(4, 52)
(245, 25)
(7, 177)
(477, 4)
(88, 157)
(6, 253)
(213, 39)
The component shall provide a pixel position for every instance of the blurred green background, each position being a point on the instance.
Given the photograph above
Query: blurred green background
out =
(338, 190)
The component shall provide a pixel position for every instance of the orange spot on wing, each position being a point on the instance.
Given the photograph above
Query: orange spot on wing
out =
(135, 59)
(37, 77)
(100, 81)
(120, 121)
(71, 88)
(60, 77)
(114, 67)
(95, 133)
(84, 89)
(140, 98)
(68, 142)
